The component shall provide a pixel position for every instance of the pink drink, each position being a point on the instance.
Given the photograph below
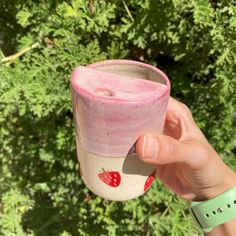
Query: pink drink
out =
(114, 110)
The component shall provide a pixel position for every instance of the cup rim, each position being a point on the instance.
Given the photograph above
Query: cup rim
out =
(120, 62)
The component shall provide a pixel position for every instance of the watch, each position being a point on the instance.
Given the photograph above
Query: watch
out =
(216, 211)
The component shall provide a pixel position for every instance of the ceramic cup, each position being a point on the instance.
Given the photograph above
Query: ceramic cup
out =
(114, 103)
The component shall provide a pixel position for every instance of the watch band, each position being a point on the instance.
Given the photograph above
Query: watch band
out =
(215, 211)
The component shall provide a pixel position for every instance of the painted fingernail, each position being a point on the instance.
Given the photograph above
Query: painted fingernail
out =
(150, 147)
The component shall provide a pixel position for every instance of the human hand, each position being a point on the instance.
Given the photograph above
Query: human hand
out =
(186, 162)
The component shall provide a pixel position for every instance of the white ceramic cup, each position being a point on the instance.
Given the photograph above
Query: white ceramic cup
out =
(107, 125)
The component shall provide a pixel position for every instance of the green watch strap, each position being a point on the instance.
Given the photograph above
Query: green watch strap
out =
(215, 211)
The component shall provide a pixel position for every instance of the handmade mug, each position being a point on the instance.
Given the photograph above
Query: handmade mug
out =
(114, 103)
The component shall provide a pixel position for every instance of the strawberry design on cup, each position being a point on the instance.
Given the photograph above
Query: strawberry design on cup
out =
(149, 181)
(111, 178)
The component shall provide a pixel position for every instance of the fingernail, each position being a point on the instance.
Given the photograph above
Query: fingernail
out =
(150, 147)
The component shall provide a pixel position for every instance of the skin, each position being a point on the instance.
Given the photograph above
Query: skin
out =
(185, 161)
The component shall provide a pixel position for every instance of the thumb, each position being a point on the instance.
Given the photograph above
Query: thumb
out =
(162, 149)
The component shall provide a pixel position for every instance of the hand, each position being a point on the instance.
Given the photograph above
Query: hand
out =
(186, 162)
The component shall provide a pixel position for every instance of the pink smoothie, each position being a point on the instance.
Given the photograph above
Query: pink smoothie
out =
(112, 110)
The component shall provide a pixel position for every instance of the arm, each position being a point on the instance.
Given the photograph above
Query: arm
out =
(226, 229)
(185, 161)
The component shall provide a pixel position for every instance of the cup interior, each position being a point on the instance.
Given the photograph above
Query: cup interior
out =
(133, 69)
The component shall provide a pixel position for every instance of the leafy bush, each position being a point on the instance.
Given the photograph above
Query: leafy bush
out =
(41, 192)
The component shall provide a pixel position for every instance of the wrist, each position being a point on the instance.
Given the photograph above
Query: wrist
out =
(216, 211)
(225, 181)
(228, 182)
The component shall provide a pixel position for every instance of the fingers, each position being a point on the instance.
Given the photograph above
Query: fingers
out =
(180, 107)
(162, 149)
(180, 124)
(177, 111)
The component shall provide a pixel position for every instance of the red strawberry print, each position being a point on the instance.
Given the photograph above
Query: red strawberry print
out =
(149, 181)
(111, 178)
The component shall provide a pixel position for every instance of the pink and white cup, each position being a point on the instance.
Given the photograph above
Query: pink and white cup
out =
(114, 103)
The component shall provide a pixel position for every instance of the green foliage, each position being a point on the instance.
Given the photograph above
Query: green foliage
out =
(41, 192)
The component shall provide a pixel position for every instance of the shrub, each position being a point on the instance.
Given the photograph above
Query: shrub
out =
(40, 189)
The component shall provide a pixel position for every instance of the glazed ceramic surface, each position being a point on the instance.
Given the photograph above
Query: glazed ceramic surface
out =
(115, 178)
(114, 103)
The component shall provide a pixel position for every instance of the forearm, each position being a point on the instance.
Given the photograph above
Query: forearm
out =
(226, 229)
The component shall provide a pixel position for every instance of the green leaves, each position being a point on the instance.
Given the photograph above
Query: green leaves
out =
(24, 17)
(41, 192)
(203, 13)
(14, 205)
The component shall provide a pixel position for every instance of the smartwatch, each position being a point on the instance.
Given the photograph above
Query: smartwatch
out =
(216, 211)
